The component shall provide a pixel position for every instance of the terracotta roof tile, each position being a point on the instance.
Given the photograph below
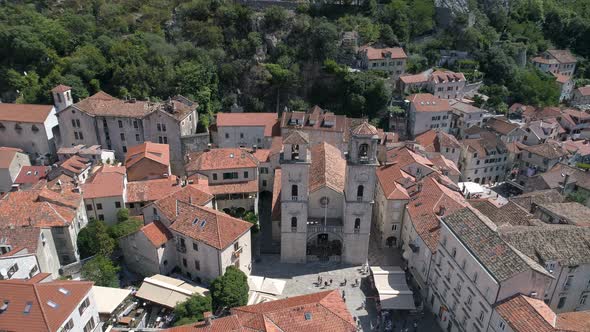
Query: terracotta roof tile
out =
(364, 129)
(218, 159)
(157, 233)
(413, 79)
(384, 53)
(189, 194)
(104, 183)
(38, 208)
(501, 126)
(151, 190)
(315, 119)
(296, 137)
(222, 324)
(268, 120)
(233, 188)
(210, 226)
(525, 314)
(433, 140)
(508, 214)
(21, 237)
(31, 174)
(446, 76)
(75, 164)
(426, 102)
(27, 113)
(328, 168)
(159, 153)
(563, 56)
(262, 155)
(547, 150)
(42, 316)
(578, 321)
(61, 88)
(584, 90)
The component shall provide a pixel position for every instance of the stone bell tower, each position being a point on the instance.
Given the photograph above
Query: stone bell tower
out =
(359, 192)
(62, 97)
(295, 163)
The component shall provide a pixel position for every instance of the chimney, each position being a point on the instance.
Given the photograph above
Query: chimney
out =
(207, 315)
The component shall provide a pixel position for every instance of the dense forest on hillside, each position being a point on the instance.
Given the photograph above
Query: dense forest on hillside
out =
(220, 53)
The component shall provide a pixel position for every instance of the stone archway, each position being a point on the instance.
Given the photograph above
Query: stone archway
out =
(324, 246)
(391, 241)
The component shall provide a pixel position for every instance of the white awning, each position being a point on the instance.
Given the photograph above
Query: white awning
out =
(392, 287)
(108, 298)
(167, 291)
(264, 289)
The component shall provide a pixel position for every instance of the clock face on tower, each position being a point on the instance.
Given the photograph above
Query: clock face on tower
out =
(324, 201)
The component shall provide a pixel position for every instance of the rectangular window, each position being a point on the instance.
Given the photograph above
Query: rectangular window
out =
(118, 205)
(85, 304)
(165, 140)
(135, 125)
(69, 325)
(226, 135)
(90, 325)
(229, 176)
(245, 174)
(101, 217)
(241, 135)
(264, 183)
(88, 207)
(561, 302)
(122, 136)
(137, 137)
(120, 123)
(99, 206)
(73, 123)
(160, 140)
(124, 149)
(197, 265)
(81, 135)
(76, 135)
(195, 246)
(184, 262)
(163, 127)
(159, 127)
(215, 176)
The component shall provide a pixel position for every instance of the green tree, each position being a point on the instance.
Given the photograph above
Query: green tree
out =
(230, 290)
(532, 87)
(578, 196)
(122, 214)
(95, 239)
(191, 310)
(275, 18)
(125, 227)
(280, 78)
(252, 218)
(102, 271)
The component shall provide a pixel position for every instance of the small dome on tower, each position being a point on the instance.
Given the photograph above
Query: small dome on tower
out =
(364, 129)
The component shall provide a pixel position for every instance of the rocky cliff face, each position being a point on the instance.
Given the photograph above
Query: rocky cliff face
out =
(447, 10)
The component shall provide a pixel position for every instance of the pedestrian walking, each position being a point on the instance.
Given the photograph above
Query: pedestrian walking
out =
(343, 293)
(344, 281)
(330, 282)
(319, 279)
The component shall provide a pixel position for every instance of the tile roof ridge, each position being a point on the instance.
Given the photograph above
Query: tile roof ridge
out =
(54, 210)
(333, 292)
(43, 314)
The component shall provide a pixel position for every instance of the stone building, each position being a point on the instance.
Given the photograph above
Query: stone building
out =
(556, 62)
(117, 124)
(391, 60)
(235, 130)
(428, 112)
(326, 199)
(11, 162)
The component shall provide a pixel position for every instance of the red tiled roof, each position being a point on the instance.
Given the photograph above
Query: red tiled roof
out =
(210, 226)
(326, 311)
(151, 190)
(61, 88)
(543, 60)
(189, 194)
(501, 125)
(104, 183)
(157, 233)
(315, 119)
(27, 113)
(42, 316)
(427, 203)
(75, 164)
(446, 76)
(444, 164)
(21, 237)
(268, 120)
(328, 168)
(233, 188)
(426, 102)
(389, 177)
(433, 140)
(31, 174)
(7, 156)
(39, 208)
(217, 159)
(384, 53)
(223, 324)
(159, 153)
(412, 79)
(364, 129)
(525, 314)
(578, 321)
(561, 78)
(262, 155)
(563, 56)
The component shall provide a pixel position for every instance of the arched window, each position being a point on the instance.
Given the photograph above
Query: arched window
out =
(294, 192)
(357, 224)
(295, 151)
(359, 192)
(363, 151)
(293, 222)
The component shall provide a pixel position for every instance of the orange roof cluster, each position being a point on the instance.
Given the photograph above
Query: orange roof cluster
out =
(75, 164)
(426, 102)
(384, 53)
(233, 188)
(27, 113)
(157, 233)
(446, 76)
(210, 226)
(40, 306)
(584, 90)
(270, 121)
(38, 208)
(323, 311)
(525, 314)
(434, 139)
(31, 174)
(414, 79)
(218, 159)
(328, 168)
(159, 153)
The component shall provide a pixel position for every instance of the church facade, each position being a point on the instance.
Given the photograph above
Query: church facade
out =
(327, 197)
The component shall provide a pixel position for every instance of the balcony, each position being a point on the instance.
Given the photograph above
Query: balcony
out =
(321, 225)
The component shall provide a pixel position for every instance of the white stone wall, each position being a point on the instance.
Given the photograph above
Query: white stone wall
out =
(448, 90)
(141, 256)
(421, 122)
(47, 253)
(578, 287)
(241, 136)
(91, 312)
(108, 211)
(475, 169)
